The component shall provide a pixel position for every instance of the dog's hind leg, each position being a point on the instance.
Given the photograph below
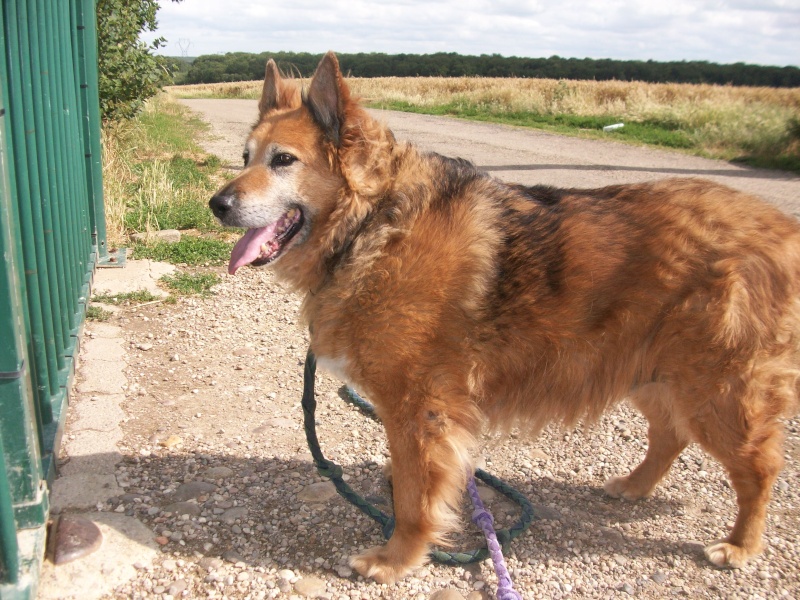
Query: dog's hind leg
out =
(430, 459)
(665, 443)
(747, 441)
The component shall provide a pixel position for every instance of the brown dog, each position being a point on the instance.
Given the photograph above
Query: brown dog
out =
(454, 301)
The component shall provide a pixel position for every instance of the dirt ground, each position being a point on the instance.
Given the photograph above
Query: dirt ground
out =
(217, 465)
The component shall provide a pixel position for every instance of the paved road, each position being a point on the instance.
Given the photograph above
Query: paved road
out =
(523, 155)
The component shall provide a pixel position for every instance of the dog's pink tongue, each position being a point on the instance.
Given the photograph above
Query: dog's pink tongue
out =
(248, 248)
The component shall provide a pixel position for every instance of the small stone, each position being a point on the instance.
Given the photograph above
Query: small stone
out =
(620, 560)
(162, 541)
(177, 587)
(183, 508)
(243, 576)
(783, 486)
(231, 556)
(218, 472)
(171, 442)
(192, 490)
(284, 585)
(628, 589)
(209, 563)
(446, 594)
(310, 587)
(244, 352)
(659, 577)
(486, 494)
(237, 512)
(144, 347)
(344, 571)
(75, 537)
(317, 492)
(169, 565)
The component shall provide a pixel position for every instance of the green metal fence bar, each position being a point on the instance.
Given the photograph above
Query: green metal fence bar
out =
(85, 48)
(52, 235)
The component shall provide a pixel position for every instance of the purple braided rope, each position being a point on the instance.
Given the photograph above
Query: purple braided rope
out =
(483, 519)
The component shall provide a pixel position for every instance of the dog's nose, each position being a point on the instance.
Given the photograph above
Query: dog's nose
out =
(221, 204)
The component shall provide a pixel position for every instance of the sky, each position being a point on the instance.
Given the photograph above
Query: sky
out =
(765, 32)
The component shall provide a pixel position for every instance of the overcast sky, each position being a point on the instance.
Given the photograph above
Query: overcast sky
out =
(724, 31)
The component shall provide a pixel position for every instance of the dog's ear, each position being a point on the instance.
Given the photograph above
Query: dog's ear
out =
(271, 92)
(327, 96)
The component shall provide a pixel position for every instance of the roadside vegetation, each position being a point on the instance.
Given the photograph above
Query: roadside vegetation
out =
(758, 126)
(156, 177)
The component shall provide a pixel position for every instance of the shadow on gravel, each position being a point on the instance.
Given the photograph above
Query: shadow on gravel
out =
(275, 512)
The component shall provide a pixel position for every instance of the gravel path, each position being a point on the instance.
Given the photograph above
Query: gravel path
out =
(216, 462)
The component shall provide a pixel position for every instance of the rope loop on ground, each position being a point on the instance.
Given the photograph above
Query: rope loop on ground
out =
(329, 469)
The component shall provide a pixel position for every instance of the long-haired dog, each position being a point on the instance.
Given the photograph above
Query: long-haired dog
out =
(456, 301)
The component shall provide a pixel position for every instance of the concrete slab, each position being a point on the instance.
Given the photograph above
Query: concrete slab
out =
(82, 491)
(102, 377)
(136, 275)
(100, 413)
(126, 542)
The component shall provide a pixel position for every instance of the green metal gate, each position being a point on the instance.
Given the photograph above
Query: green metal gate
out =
(52, 235)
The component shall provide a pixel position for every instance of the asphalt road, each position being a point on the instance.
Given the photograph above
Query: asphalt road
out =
(523, 155)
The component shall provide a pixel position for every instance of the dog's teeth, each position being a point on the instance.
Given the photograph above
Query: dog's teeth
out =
(291, 213)
(264, 249)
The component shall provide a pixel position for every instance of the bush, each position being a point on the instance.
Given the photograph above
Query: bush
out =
(129, 72)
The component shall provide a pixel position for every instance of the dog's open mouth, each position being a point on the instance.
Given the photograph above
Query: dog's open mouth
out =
(262, 245)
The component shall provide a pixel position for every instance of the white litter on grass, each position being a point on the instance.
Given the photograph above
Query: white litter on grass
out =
(614, 126)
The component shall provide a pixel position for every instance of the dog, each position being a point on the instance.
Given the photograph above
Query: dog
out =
(458, 302)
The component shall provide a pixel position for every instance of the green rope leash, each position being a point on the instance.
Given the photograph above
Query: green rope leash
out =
(329, 469)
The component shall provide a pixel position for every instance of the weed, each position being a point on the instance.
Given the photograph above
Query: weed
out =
(190, 250)
(96, 313)
(187, 284)
(126, 298)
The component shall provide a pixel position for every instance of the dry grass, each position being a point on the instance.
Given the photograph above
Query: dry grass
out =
(718, 121)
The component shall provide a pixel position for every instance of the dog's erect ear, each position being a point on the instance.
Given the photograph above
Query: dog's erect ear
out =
(270, 94)
(327, 96)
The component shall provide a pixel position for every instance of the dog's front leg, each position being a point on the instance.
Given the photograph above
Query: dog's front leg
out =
(430, 457)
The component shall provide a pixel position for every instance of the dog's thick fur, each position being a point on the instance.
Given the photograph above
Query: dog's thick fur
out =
(455, 301)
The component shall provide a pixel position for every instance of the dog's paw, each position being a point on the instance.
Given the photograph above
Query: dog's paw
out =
(377, 563)
(726, 555)
(622, 487)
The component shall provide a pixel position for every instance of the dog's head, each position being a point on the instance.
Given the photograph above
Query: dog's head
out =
(314, 164)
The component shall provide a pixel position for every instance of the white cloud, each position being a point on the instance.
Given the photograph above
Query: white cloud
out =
(758, 31)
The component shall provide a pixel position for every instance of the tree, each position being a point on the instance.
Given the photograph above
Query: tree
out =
(129, 72)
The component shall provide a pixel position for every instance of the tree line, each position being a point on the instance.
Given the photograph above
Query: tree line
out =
(243, 66)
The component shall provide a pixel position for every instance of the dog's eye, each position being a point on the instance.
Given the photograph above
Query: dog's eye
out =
(246, 157)
(284, 159)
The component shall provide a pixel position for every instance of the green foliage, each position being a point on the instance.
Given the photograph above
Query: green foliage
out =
(129, 72)
(191, 284)
(242, 66)
(191, 250)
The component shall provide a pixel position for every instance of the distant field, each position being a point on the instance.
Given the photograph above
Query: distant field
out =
(759, 126)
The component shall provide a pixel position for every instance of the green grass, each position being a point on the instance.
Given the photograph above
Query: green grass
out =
(96, 313)
(191, 250)
(126, 298)
(655, 133)
(191, 284)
